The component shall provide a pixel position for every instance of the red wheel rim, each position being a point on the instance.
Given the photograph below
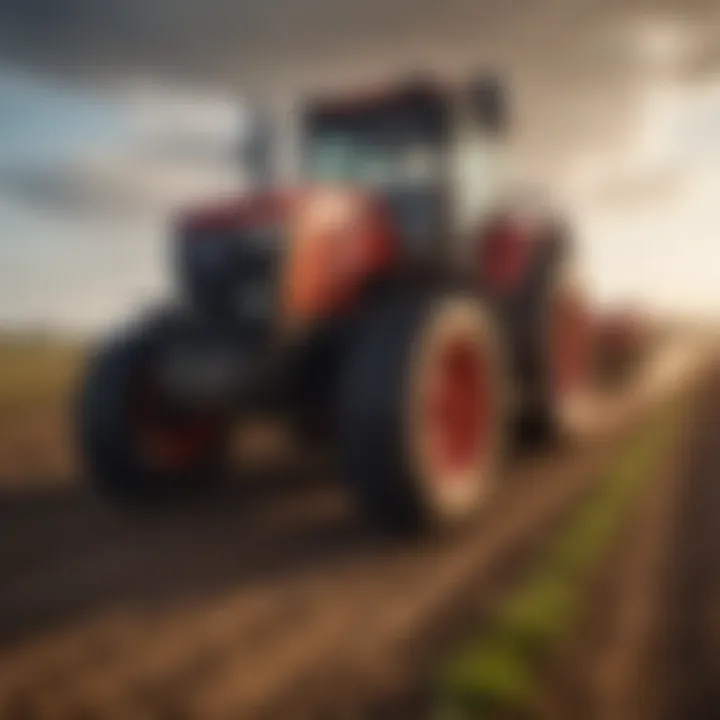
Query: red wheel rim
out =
(458, 409)
(569, 345)
(168, 439)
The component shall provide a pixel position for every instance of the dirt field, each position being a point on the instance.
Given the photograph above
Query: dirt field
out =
(271, 603)
(37, 379)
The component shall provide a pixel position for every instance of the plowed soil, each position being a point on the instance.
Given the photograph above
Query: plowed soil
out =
(271, 603)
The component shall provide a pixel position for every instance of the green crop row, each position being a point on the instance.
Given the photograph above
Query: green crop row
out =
(497, 671)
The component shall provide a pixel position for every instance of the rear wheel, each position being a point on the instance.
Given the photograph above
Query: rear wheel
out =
(422, 411)
(134, 443)
(566, 349)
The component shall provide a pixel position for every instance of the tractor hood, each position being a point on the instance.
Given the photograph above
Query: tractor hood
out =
(324, 207)
(208, 221)
(304, 216)
(315, 245)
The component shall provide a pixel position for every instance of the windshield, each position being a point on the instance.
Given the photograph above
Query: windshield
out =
(477, 176)
(393, 143)
(365, 159)
(395, 152)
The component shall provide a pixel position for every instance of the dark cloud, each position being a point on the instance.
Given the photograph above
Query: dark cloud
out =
(227, 41)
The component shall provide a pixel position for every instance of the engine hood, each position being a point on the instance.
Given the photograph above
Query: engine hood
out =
(299, 214)
(322, 243)
(239, 212)
(317, 205)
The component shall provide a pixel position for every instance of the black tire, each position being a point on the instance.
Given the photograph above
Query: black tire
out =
(113, 458)
(549, 413)
(382, 448)
(526, 310)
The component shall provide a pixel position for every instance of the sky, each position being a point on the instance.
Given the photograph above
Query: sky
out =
(122, 113)
(88, 183)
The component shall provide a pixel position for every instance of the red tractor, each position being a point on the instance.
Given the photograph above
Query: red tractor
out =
(383, 307)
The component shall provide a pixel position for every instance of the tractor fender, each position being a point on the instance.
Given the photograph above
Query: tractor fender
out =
(513, 245)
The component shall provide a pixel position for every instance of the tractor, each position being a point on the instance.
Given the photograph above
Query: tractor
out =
(388, 305)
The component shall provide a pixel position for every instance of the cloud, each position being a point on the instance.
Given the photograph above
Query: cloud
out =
(88, 154)
(75, 192)
(116, 186)
(233, 41)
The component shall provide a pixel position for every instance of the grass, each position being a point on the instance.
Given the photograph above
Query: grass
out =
(36, 372)
(497, 671)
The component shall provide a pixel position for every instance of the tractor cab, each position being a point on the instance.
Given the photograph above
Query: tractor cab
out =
(428, 152)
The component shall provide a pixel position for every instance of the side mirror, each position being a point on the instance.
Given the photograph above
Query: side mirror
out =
(488, 103)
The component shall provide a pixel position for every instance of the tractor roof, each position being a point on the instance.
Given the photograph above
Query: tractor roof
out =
(425, 98)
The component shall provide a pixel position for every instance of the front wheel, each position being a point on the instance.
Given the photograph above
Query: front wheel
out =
(133, 442)
(422, 411)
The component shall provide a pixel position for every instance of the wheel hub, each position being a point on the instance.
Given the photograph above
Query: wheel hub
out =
(458, 408)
